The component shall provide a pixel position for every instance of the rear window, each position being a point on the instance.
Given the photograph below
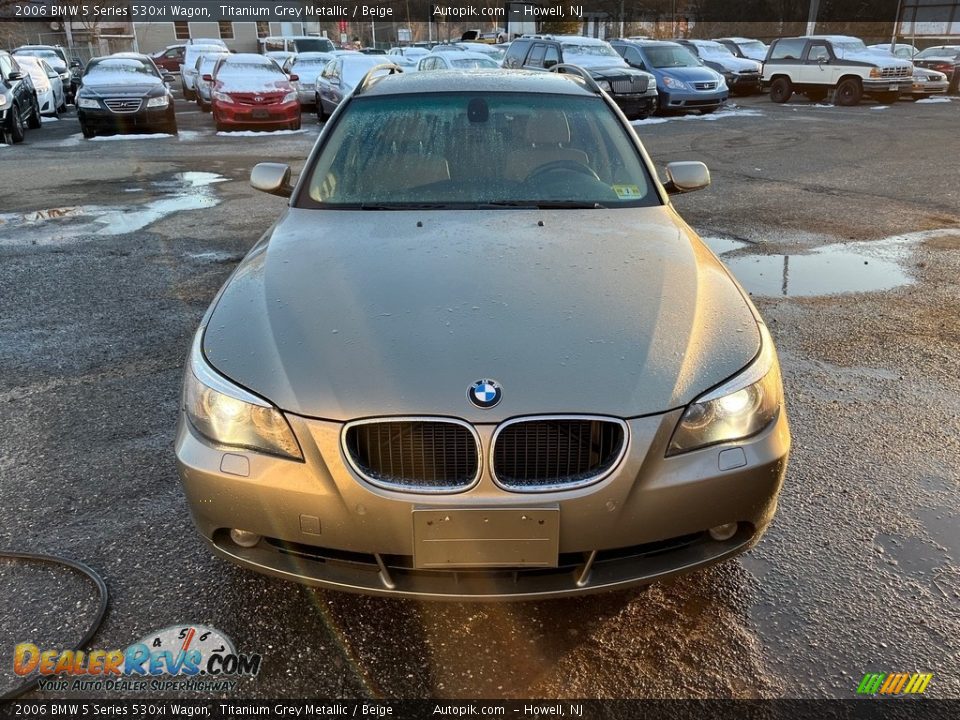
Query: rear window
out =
(790, 49)
(478, 150)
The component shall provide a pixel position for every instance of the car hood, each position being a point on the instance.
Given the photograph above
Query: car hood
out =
(734, 63)
(624, 313)
(874, 57)
(120, 89)
(692, 74)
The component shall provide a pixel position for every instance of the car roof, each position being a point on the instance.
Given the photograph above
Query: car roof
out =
(250, 57)
(494, 81)
(468, 54)
(650, 43)
(737, 39)
(836, 38)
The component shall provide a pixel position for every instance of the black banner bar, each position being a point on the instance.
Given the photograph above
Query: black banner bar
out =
(871, 708)
(491, 12)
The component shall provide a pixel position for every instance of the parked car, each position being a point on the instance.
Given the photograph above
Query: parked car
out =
(251, 90)
(742, 75)
(296, 44)
(207, 41)
(745, 47)
(203, 89)
(47, 84)
(903, 51)
(307, 66)
(188, 71)
(683, 82)
(170, 58)
(120, 94)
(280, 56)
(926, 83)
(338, 79)
(57, 58)
(410, 52)
(19, 108)
(635, 91)
(942, 58)
(449, 454)
(457, 61)
(817, 65)
(494, 52)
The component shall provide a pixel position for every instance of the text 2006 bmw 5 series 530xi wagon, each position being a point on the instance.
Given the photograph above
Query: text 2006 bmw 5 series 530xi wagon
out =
(480, 356)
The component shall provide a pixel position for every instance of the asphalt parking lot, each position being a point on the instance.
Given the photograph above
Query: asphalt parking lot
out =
(843, 223)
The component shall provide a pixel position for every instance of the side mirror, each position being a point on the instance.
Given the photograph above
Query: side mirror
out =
(684, 177)
(294, 78)
(168, 78)
(272, 178)
(15, 76)
(207, 77)
(75, 65)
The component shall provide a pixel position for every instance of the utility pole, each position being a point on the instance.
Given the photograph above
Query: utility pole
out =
(812, 17)
(896, 28)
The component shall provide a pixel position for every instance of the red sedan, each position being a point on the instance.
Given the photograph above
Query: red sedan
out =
(251, 90)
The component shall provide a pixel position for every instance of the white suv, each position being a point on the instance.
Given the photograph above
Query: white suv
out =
(817, 65)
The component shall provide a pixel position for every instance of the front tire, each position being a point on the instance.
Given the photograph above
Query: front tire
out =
(189, 95)
(321, 113)
(848, 93)
(88, 132)
(17, 132)
(781, 90)
(35, 119)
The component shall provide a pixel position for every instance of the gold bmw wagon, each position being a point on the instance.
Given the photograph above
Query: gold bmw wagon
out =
(480, 356)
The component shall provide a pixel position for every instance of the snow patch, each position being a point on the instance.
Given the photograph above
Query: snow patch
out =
(135, 136)
(721, 114)
(259, 133)
(880, 107)
(48, 119)
(932, 100)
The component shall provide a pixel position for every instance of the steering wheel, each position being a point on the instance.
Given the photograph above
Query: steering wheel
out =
(569, 165)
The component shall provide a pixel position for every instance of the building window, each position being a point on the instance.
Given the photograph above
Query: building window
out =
(226, 29)
(263, 29)
(181, 29)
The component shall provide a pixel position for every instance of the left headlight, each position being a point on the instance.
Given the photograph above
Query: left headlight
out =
(229, 415)
(87, 103)
(741, 407)
(161, 101)
(604, 85)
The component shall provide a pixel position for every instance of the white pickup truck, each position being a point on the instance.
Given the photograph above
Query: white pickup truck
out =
(817, 65)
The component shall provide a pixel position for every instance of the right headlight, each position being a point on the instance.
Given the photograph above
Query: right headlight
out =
(741, 407)
(674, 83)
(229, 415)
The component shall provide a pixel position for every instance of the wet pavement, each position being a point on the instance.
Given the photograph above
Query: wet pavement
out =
(843, 224)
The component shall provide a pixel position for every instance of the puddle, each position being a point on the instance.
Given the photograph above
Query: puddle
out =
(830, 269)
(184, 191)
(827, 270)
(721, 245)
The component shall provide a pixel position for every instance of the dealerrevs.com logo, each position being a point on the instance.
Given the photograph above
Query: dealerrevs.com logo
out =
(181, 657)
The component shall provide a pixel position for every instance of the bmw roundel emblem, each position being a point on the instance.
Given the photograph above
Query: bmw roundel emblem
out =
(485, 393)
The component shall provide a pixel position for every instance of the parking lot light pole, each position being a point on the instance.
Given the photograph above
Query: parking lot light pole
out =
(812, 17)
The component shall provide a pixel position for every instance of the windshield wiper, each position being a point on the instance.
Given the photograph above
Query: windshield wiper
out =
(543, 204)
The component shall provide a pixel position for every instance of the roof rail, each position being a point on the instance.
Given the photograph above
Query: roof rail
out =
(370, 76)
(577, 70)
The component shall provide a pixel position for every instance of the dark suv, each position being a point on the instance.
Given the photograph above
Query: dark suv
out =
(634, 91)
(19, 108)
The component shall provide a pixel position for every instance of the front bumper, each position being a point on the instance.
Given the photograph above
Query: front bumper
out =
(932, 87)
(237, 114)
(144, 119)
(633, 105)
(882, 85)
(323, 525)
(743, 82)
(692, 99)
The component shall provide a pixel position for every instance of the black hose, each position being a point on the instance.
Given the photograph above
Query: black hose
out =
(88, 636)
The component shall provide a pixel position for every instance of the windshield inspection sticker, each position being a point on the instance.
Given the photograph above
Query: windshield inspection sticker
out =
(627, 192)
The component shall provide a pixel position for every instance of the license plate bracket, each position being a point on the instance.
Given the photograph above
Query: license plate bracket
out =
(261, 114)
(476, 538)
(894, 87)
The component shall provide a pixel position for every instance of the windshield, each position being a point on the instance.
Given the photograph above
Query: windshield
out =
(49, 55)
(849, 45)
(478, 150)
(251, 76)
(472, 63)
(117, 70)
(206, 63)
(665, 56)
(938, 51)
(753, 45)
(356, 67)
(713, 49)
(314, 45)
